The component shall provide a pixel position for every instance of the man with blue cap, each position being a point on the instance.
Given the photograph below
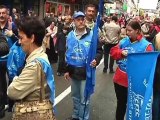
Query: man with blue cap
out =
(78, 45)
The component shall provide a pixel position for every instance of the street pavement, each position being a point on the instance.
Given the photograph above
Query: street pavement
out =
(103, 101)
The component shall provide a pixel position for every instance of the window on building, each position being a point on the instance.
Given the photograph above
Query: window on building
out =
(36, 7)
(66, 9)
(53, 8)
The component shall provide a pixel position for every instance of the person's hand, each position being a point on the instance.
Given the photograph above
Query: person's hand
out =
(52, 35)
(66, 76)
(125, 53)
(8, 33)
(93, 63)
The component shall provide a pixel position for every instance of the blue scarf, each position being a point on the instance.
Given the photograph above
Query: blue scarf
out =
(50, 78)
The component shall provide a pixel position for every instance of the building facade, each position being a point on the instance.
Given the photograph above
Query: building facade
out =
(65, 7)
(40, 7)
(23, 6)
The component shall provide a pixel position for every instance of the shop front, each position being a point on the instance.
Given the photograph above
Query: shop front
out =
(61, 7)
(22, 6)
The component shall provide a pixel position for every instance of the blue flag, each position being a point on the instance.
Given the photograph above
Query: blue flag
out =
(90, 71)
(140, 70)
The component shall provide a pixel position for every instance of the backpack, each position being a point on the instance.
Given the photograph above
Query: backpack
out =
(4, 47)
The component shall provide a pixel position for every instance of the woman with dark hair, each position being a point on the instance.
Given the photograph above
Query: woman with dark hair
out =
(33, 90)
(133, 43)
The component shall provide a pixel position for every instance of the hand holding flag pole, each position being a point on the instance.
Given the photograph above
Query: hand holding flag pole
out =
(90, 71)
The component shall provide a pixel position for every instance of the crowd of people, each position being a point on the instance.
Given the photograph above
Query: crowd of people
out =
(28, 47)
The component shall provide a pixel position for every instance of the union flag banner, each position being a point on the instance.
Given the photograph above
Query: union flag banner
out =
(140, 69)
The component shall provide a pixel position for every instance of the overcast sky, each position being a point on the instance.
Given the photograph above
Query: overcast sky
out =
(148, 4)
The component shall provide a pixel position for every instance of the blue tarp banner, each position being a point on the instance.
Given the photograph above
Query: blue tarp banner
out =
(140, 70)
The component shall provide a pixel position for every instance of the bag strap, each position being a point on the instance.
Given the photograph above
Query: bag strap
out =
(41, 76)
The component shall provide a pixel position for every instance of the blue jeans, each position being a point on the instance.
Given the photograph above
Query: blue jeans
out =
(80, 104)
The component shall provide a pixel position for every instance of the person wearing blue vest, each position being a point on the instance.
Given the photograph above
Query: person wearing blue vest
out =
(33, 90)
(9, 30)
(133, 43)
(78, 45)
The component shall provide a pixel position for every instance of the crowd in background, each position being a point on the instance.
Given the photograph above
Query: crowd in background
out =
(113, 31)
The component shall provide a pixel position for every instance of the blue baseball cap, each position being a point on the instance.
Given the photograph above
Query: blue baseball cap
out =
(78, 14)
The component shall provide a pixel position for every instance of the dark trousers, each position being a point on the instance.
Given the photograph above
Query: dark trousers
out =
(52, 55)
(3, 85)
(61, 61)
(156, 105)
(107, 48)
(121, 95)
(10, 102)
(156, 93)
